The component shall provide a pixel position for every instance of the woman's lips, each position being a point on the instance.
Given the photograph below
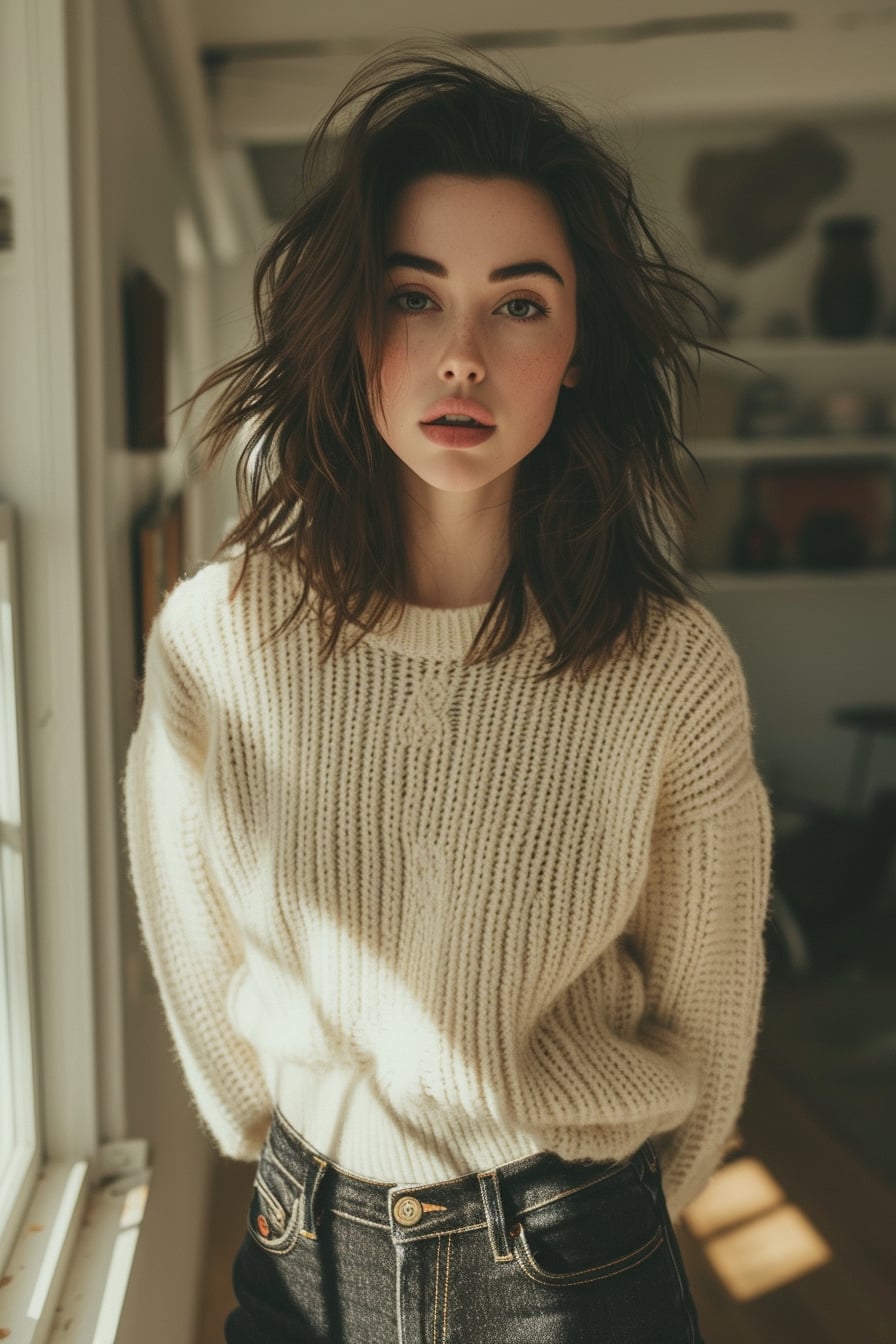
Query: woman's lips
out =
(458, 436)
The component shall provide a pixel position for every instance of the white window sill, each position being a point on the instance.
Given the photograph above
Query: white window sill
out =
(69, 1270)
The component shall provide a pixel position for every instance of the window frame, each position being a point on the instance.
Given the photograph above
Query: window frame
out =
(19, 1164)
(40, 479)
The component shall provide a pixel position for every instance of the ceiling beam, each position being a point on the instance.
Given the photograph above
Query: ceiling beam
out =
(173, 50)
(806, 70)
(216, 55)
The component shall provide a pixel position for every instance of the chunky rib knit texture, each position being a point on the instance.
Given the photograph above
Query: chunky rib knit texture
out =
(446, 917)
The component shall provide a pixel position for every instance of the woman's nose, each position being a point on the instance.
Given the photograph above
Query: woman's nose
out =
(462, 361)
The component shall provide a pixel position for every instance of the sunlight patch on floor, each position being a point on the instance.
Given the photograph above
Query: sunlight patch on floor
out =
(741, 1190)
(754, 1239)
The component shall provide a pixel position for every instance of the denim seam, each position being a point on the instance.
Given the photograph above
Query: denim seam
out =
(509, 1171)
(294, 1181)
(490, 1192)
(431, 1185)
(574, 1189)
(399, 1314)
(445, 1306)
(442, 1232)
(542, 1276)
(276, 1209)
(680, 1275)
(319, 1157)
(354, 1218)
(283, 1244)
(308, 1197)
(435, 1296)
(281, 1118)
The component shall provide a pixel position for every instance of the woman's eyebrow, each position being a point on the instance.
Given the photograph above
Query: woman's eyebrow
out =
(513, 272)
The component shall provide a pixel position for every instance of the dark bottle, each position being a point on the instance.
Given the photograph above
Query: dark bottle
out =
(754, 543)
(846, 292)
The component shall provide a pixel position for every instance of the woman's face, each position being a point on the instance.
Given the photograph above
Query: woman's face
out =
(480, 320)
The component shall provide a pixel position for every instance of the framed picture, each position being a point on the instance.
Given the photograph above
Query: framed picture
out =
(857, 496)
(159, 554)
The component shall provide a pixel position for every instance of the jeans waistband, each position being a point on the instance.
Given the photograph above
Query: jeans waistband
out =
(489, 1199)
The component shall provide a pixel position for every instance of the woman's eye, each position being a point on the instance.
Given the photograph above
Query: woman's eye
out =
(411, 301)
(524, 310)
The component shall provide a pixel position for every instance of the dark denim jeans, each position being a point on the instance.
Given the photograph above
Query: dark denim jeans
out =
(540, 1250)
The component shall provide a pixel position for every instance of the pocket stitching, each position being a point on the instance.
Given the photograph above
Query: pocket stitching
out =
(530, 1267)
(574, 1189)
(272, 1157)
(283, 1244)
(277, 1211)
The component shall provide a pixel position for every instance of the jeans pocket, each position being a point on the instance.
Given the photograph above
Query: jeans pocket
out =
(589, 1232)
(275, 1209)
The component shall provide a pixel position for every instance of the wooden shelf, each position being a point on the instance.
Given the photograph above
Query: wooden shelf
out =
(805, 348)
(851, 447)
(732, 580)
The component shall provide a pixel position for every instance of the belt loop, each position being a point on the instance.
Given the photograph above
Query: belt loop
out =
(494, 1215)
(316, 1168)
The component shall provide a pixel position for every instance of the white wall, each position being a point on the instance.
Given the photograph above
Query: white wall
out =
(660, 153)
(233, 331)
(130, 190)
(804, 651)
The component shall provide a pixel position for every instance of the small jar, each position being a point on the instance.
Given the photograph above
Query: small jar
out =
(766, 409)
(843, 410)
(846, 293)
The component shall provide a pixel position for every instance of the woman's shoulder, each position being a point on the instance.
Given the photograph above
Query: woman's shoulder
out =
(198, 592)
(685, 638)
(223, 597)
(192, 608)
(694, 667)
(709, 722)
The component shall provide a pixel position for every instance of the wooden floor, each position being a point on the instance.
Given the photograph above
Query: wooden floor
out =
(850, 1300)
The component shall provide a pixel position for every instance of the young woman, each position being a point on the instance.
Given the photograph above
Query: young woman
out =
(451, 853)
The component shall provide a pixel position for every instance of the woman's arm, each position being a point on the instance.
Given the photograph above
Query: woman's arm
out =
(189, 933)
(698, 928)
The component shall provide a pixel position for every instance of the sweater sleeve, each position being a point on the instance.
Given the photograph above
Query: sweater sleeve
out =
(190, 935)
(698, 928)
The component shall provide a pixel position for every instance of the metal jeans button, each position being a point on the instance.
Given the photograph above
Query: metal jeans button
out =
(407, 1210)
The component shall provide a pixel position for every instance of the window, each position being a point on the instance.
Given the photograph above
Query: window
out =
(18, 1130)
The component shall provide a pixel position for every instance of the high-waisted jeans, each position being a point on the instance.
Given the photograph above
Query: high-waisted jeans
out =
(538, 1251)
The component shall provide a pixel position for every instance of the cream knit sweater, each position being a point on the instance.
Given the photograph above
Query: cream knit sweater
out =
(446, 917)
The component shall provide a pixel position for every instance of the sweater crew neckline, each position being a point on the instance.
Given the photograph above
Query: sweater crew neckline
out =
(431, 632)
(443, 633)
(440, 633)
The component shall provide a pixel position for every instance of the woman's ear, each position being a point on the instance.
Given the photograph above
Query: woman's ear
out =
(571, 376)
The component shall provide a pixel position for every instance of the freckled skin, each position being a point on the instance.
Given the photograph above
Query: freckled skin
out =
(463, 340)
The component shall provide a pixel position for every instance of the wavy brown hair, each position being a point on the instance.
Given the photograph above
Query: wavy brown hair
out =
(591, 528)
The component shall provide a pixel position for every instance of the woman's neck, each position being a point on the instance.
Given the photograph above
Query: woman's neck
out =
(453, 578)
(457, 556)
